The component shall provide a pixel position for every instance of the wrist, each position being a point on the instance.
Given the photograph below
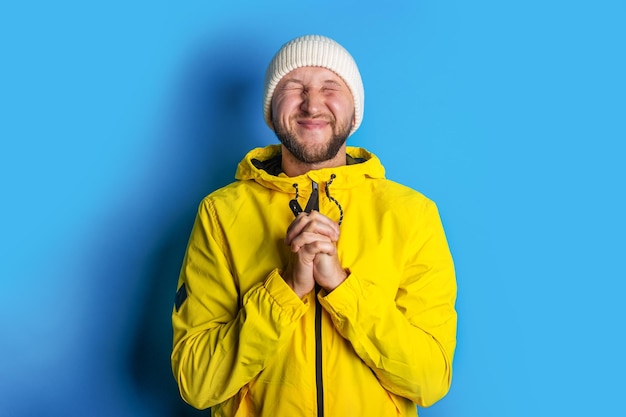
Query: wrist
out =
(342, 275)
(297, 287)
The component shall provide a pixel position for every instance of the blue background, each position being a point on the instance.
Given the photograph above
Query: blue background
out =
(116, 118)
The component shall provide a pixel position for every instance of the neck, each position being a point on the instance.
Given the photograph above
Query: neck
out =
(293, 167)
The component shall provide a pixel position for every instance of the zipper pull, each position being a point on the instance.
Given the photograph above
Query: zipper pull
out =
(313, 203)
(295, 207)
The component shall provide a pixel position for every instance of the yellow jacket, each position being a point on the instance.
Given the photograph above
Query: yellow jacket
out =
(245, 344)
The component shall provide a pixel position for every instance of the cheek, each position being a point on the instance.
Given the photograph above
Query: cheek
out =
(283, 107)
(343, 109)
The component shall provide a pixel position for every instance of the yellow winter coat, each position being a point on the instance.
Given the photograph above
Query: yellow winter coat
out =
(381, 342)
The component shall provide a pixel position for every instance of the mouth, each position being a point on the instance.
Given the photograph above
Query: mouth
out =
(313, 124)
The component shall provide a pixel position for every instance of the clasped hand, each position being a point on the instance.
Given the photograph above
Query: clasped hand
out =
(313, 238)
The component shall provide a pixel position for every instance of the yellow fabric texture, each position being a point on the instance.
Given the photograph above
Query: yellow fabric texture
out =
(244, 343)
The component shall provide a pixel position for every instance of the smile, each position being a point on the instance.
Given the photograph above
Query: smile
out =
(313, 123)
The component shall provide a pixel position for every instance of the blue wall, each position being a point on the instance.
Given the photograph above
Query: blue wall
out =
(116, 118)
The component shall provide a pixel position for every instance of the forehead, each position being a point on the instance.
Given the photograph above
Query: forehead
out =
(308, 75)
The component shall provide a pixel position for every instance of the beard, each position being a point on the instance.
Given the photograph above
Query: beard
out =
(313, 154)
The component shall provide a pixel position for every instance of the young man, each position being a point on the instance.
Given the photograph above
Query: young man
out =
(313, 286)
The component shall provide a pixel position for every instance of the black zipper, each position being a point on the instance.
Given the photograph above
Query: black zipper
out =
(313, 204)
(318, 356)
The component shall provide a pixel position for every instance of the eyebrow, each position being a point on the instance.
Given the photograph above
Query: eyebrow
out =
(337, 83)
(292, 80)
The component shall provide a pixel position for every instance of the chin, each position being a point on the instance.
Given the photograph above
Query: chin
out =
(320, 137)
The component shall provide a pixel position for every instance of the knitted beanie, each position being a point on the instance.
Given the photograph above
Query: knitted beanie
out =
(314, 51)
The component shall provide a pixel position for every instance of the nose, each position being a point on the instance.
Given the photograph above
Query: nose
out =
(312, 102)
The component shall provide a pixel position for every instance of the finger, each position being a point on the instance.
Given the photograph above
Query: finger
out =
(297, 224)
(313, 222)
(308, 238)
(325, 223)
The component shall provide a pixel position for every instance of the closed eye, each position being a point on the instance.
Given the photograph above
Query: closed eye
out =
(292, 84)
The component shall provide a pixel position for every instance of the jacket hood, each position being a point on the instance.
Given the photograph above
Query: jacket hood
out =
(346, 176)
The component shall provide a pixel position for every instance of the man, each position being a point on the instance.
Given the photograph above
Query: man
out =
(342, 308)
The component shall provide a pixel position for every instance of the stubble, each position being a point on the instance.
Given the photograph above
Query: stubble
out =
(307, 153)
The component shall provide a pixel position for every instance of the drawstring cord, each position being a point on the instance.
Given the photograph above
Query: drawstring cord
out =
(295, 207)
(331, 198)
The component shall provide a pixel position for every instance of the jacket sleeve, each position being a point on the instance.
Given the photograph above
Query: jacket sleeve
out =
(222, 343)
(409, 341)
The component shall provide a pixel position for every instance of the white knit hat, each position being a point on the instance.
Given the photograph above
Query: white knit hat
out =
(314, 51)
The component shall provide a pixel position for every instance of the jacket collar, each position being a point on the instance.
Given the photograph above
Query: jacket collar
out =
(346, 176)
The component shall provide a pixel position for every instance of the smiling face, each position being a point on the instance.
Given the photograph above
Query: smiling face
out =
(313, 114)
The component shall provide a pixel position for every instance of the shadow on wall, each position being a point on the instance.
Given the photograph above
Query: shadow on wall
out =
(214, 119)
(219, 101)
